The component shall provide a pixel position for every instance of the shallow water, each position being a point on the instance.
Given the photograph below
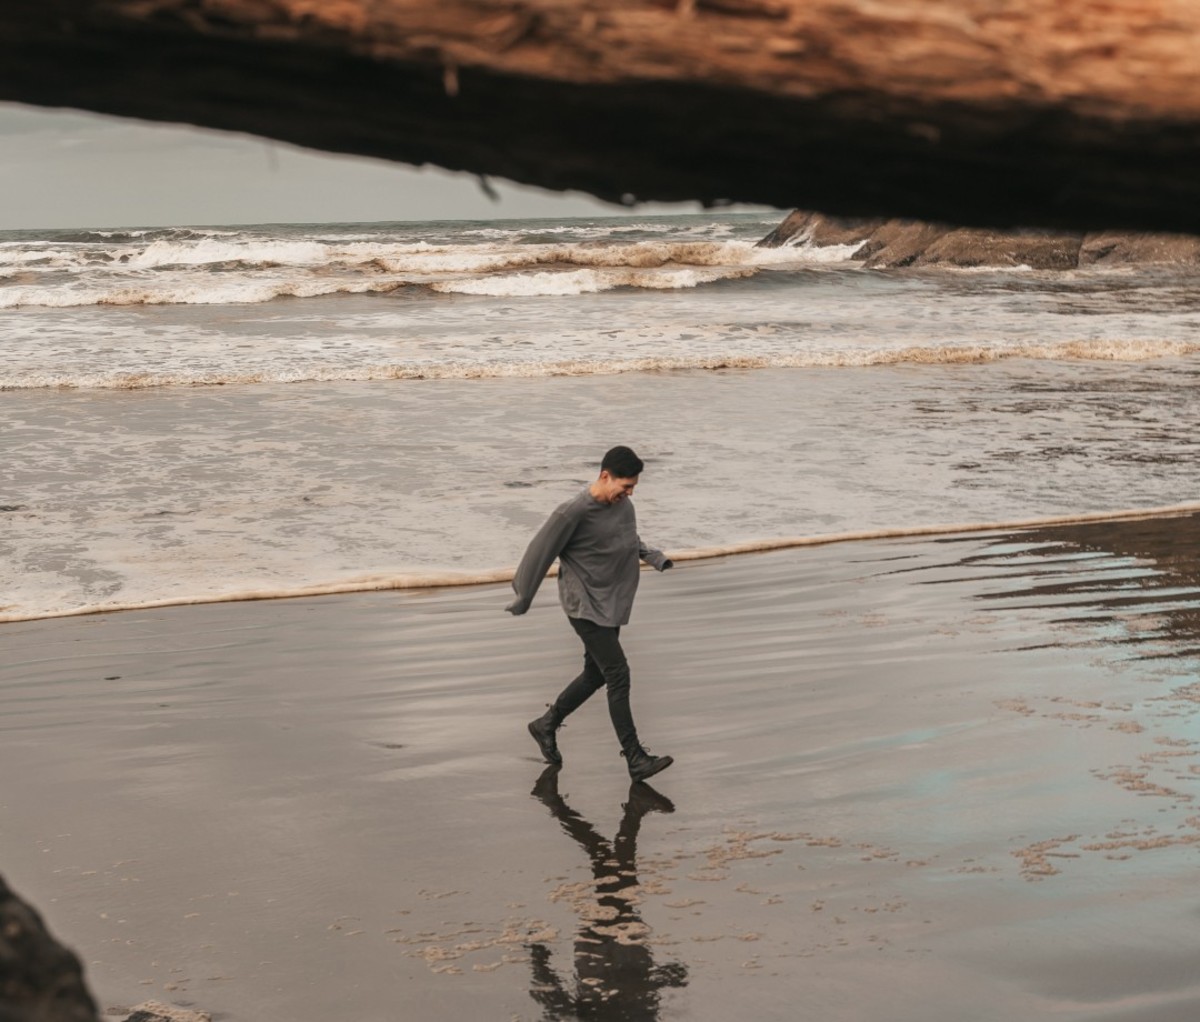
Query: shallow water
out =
(428, 392)
(127, 497)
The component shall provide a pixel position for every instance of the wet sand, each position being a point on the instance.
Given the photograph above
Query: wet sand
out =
(931, 779)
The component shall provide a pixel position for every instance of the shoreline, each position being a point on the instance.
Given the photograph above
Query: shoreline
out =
(452, 580)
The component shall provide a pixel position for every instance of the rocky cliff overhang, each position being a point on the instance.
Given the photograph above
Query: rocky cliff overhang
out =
(1067, 113)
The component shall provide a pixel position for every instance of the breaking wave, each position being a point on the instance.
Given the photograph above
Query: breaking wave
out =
(183, 292)
(580, 282)
(228, 269)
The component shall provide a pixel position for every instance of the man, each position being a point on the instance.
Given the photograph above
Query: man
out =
(594, 536)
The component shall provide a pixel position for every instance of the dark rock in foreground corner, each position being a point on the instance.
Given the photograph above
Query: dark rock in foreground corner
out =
(899, 243)
(40, 980)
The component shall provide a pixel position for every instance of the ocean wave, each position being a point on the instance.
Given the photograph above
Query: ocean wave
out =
(233, 292)
(524, 230)
(423, 257)
(214, 270)
(497, 576)
(580, 282)
(1109, 351)
(41, 255)
(130, 235)
(170, 253)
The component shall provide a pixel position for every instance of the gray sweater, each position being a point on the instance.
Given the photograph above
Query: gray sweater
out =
(598, 550)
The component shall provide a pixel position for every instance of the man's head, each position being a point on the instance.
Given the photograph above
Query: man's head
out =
(619, 473)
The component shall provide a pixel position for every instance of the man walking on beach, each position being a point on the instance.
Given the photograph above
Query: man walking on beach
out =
(594, 536)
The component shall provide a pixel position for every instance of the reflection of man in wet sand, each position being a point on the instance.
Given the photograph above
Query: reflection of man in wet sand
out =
(594, 537)
(615, 973)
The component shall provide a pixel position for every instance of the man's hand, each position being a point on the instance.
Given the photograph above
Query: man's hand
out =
(518, 606)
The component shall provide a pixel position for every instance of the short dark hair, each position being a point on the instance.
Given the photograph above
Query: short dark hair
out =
(622, 463)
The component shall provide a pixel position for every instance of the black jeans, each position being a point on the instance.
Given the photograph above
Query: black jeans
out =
(604, 663)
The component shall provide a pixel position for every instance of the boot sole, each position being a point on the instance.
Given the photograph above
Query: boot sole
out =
(545, 755)
(658, 768)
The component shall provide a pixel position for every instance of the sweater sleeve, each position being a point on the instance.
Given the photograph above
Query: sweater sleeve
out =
(540, 554)
(655, 558)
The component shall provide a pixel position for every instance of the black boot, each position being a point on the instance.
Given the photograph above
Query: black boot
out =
(543, 730)
(642, 765)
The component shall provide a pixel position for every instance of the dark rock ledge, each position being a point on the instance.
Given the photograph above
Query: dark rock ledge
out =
(1071, 114)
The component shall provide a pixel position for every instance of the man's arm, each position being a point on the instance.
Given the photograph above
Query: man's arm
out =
(542, 550)
(655, 558)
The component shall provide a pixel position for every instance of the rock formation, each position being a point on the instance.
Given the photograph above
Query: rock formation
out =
(40, 980)
(898, 243)
(1078, 114)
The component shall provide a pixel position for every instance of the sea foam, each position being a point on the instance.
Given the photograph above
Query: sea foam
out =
(1134, 350)
(495, 576)
(214, 270)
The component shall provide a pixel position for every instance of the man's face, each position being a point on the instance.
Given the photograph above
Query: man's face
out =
(615, 489)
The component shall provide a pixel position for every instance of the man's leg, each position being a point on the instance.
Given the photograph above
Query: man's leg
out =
(604, 663)
(583, 687)
(603, 646)
(569, 700)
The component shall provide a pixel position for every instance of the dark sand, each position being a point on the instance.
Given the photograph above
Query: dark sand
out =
(916, 779)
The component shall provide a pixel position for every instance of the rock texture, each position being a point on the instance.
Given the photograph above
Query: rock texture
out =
(898, 243)
(40, 980)
(1081, 114)
(157, 1011)
(1115, 248)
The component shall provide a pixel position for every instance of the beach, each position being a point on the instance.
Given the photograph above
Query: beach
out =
(924, 778)
(926, 661)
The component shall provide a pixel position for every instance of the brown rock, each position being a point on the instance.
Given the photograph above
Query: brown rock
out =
(888, 243)
(157, 1011)
(1120, 248)
(820, 229)
(833, 230)
(795, 227)
(1078, 114)
(979, 247)
(910, 242)
(899, 243)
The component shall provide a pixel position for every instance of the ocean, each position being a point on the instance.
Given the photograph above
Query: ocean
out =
(207, 413)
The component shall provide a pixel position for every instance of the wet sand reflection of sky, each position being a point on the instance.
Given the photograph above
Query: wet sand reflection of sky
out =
(1113, 584)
